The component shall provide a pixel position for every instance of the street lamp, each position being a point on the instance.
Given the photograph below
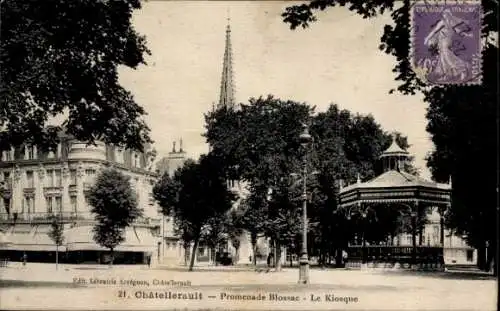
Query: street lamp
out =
(305, 140)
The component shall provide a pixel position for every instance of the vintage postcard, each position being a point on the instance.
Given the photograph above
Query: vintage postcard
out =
(248, 155)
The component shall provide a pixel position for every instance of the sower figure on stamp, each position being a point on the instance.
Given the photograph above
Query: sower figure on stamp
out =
(449, 66)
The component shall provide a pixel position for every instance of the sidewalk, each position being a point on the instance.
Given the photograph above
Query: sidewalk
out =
(41, 285)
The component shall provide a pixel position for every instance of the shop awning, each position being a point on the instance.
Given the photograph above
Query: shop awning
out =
(29, 238)
(137, 239)
(3, 239)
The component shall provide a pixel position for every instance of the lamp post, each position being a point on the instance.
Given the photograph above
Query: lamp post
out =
(364, 258)
(305, 140)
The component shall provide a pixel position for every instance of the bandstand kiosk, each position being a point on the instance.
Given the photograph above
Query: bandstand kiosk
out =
(412, 197)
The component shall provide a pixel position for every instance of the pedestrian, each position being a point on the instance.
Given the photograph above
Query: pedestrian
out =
(149, 261)
(269, 260)
(25, 259)
(344, 257)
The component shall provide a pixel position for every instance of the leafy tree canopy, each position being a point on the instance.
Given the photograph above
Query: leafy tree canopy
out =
(260, 145)
(198, 198)
(56, 232)
(60, 58)
(114, 205)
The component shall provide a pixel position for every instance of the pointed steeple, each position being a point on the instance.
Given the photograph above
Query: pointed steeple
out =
(227, 88)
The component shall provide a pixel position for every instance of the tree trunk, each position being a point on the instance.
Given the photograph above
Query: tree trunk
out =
(253, 238)
(495, 265)
(57, 256)
(481, 258)
(237, 255)
(193, 254)
(492, 259)
(112, 256)
(186, 254)
(339, 257)
(277, 250)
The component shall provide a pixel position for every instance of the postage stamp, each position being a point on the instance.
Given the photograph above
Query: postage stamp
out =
(446, 41)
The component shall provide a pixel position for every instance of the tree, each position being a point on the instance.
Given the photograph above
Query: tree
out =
(253, 218)
(56, 234)
(60, 58)
(235, 231)
(260, 145)
(196, 196)
(214, 233)
(460, 118)
(114, 205)
(346, 146)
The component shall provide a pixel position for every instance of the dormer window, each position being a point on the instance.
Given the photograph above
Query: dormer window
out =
(135, 159)
(51, 154)
(119, 155)
(29, 153)
(7, 155)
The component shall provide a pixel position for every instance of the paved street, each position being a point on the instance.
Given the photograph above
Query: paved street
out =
(135, 287)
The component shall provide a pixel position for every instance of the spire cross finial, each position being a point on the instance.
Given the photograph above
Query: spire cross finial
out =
(228, 16)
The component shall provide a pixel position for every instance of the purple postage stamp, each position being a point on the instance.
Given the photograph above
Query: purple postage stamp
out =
(446, 41)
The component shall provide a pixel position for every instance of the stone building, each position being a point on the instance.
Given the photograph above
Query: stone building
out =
(37, 185)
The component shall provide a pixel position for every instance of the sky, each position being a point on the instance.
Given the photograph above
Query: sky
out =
(336, 60)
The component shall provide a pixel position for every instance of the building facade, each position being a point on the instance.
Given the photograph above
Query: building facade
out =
(37, 185)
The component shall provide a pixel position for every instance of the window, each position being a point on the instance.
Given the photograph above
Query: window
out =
(90, 172)
(29, 204)
(470, 255)
(119, 155)
(135, 157)
(49, 202)
(86, 201)
(74, 206)
(29, 153)
(409, 239)
(6, 176)
(58, 204)
(436, 235)
(57, 178)
(50, 178)
(7, 155)
(72, 177)
(29, 179)
(6, 204)
(51, 154)
(151, 198)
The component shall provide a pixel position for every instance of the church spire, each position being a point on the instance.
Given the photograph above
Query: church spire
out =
(227, 88)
